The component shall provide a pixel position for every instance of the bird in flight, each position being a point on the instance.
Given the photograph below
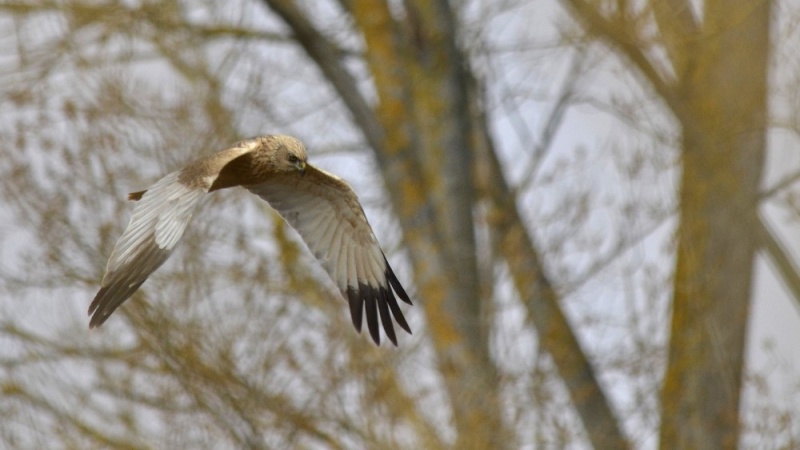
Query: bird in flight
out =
(321, 206)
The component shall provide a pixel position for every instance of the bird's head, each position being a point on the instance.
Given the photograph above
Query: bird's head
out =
(284, 153)
(289, 153)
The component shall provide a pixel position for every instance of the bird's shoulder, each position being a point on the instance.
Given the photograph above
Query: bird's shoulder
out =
(326, 182)
(202, 173)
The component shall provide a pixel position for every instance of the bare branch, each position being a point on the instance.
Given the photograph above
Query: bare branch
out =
(787, 268)
(617, 35)
(554, 120)
(780, 185)
(329, 61)
(623, 245)
(540, 297)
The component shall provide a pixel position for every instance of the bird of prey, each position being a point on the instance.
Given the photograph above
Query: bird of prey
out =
(320, 206)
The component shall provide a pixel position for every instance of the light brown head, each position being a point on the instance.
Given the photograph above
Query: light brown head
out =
(279, 153)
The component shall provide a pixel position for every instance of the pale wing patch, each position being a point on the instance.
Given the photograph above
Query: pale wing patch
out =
(163, 213)
(300, 209)
(173, 220)
(156, 226)
(324, 221)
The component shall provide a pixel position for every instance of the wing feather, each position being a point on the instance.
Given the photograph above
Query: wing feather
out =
(316, 227)
(376, 267)
(325, 241)
(386, 318)
(333, 258)
(356, 307)
(371, 309)
(328, 217)
(352, 269)
(338, 260)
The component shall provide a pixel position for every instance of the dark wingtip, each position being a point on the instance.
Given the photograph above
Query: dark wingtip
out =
(96, 322)
(356, 307)
(97, 298)
(371, 307)
(97, 319)
(379, 305)
(396, 312)
(396, 283)
(386, 318)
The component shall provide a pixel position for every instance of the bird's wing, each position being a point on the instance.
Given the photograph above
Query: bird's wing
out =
(156, 227)
(328, 216)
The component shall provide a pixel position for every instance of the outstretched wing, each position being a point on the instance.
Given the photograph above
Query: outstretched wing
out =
(326, 213)
(156, 226)
(158, 223)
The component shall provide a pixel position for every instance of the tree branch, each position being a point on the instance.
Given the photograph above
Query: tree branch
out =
(615, 34)
(554, 120)
(779, 186)
(787, 269)
(679, 30)
(540, 297)
(328, 59)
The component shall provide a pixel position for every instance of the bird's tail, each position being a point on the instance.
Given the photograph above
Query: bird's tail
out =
(135, 196)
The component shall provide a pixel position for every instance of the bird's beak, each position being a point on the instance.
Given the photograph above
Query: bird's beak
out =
(301, 166)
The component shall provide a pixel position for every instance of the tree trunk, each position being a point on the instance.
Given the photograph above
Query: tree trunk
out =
(723, 115)
(421, 140)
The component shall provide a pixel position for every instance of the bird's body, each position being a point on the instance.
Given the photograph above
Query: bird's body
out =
(320, 206)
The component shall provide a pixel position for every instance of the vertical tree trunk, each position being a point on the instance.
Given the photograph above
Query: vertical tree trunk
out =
(441, 119)
(724, 97)
(424, 151)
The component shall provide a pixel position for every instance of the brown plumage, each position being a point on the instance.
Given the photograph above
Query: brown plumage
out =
(320, 206)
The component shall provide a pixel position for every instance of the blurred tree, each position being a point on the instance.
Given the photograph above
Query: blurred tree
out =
(712, 77)
(239, 341)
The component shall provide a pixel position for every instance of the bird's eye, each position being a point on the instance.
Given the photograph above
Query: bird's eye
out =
(293, 159)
